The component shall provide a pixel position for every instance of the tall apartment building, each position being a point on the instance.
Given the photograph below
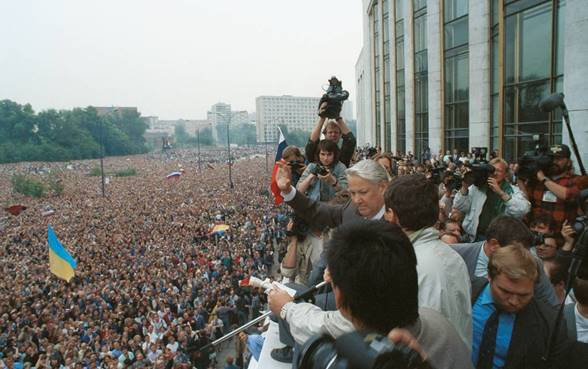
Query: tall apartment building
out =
(293, 111)
(459, 74)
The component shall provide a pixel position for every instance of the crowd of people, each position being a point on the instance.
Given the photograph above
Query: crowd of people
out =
(153, 285)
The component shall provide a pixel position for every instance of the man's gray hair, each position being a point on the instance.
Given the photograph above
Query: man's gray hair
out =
(369, 170)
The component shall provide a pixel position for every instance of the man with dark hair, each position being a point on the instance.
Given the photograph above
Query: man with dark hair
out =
(513, 329)
(504, 230)
(576, 314)
(372, 268)
(412, 202)
(556, 191)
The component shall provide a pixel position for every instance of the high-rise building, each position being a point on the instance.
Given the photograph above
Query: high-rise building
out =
(457, 74)
(292, 111)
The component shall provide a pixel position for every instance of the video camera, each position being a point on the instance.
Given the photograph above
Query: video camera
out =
(478, 174)
(533, 161)
(334, 98)
(356, 351)
(451, 180)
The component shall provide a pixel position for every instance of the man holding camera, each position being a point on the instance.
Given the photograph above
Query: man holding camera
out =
(334, 130)
(482, 203)
(556, 191)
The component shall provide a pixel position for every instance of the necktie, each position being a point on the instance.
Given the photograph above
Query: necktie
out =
(488, 344)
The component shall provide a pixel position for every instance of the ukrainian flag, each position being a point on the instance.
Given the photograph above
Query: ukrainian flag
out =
(60, 261)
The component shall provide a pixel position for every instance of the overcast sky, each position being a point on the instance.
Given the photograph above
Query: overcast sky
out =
(174, 58)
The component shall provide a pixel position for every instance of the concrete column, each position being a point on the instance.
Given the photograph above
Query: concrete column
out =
(409, 75)
(392, 71)
(434, 30)
(575, 72)
(479, 60)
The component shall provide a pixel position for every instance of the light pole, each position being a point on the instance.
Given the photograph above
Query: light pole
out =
(102, 156)
(231, 185)
(198, 141)
(229, 152)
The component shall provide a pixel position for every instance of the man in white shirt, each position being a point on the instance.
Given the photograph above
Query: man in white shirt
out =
(576, 314)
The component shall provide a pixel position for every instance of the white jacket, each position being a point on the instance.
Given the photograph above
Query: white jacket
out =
(471, 206)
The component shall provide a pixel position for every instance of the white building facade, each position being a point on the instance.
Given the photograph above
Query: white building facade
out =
(458, 74)
(292, 111)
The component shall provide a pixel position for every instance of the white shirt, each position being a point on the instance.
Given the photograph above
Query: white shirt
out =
(482, 263)
(581, 326)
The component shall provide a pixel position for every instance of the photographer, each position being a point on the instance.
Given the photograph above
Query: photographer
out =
(374, 277)
(295, 160)
(480, 204)
(556, 191)
(324, 177)
(303, 253)
(334, 130)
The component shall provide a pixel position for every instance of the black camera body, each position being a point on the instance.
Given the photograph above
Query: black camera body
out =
(320, 170)
(532, 162)
(295, 164)
(478, 174)
(334, 98)
(356, 351)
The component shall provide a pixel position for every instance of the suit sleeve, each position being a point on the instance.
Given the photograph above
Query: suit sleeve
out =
(317, 213)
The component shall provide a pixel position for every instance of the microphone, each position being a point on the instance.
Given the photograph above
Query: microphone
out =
(550, 103)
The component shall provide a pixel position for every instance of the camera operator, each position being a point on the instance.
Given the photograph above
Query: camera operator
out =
(303, 253)
(324, 177)
(372, 268)
(556, 191)
(334, 130)
(480, 204)
(295, 160)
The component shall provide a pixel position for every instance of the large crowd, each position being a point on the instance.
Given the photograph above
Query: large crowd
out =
(153, 285)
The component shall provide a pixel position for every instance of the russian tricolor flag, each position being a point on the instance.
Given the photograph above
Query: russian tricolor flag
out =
(274, 185)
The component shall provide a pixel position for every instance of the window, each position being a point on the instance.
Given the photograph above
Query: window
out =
(456, 73)
(387, 68)
(376, 47)
(400, 97)
(420, 78)
(533, 69)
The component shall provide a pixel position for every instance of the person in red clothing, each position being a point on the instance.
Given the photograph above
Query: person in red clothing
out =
(555, 192)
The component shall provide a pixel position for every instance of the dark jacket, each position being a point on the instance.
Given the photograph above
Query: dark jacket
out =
(570, 316)
(543, 288)
(321, 215)
(347, 149)
(531, 333)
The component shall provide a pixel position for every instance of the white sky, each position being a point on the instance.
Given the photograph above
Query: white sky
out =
(174, 58)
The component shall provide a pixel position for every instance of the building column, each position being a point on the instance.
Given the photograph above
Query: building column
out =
(575, 72)
(392, 71)
(479, 77)
(409, 76)
(434, 30)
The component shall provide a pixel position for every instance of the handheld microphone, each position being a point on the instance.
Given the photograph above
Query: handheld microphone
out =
(552, 102)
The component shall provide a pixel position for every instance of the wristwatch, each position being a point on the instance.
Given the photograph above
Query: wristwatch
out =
(283, 311)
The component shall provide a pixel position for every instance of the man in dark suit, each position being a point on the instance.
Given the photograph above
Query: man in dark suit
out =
(504, 230)
(512, 328)
(367, 182)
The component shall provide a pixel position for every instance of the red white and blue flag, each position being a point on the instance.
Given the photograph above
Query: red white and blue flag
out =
(274, 185)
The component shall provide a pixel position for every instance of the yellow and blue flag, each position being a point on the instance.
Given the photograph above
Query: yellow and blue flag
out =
(60, 261)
